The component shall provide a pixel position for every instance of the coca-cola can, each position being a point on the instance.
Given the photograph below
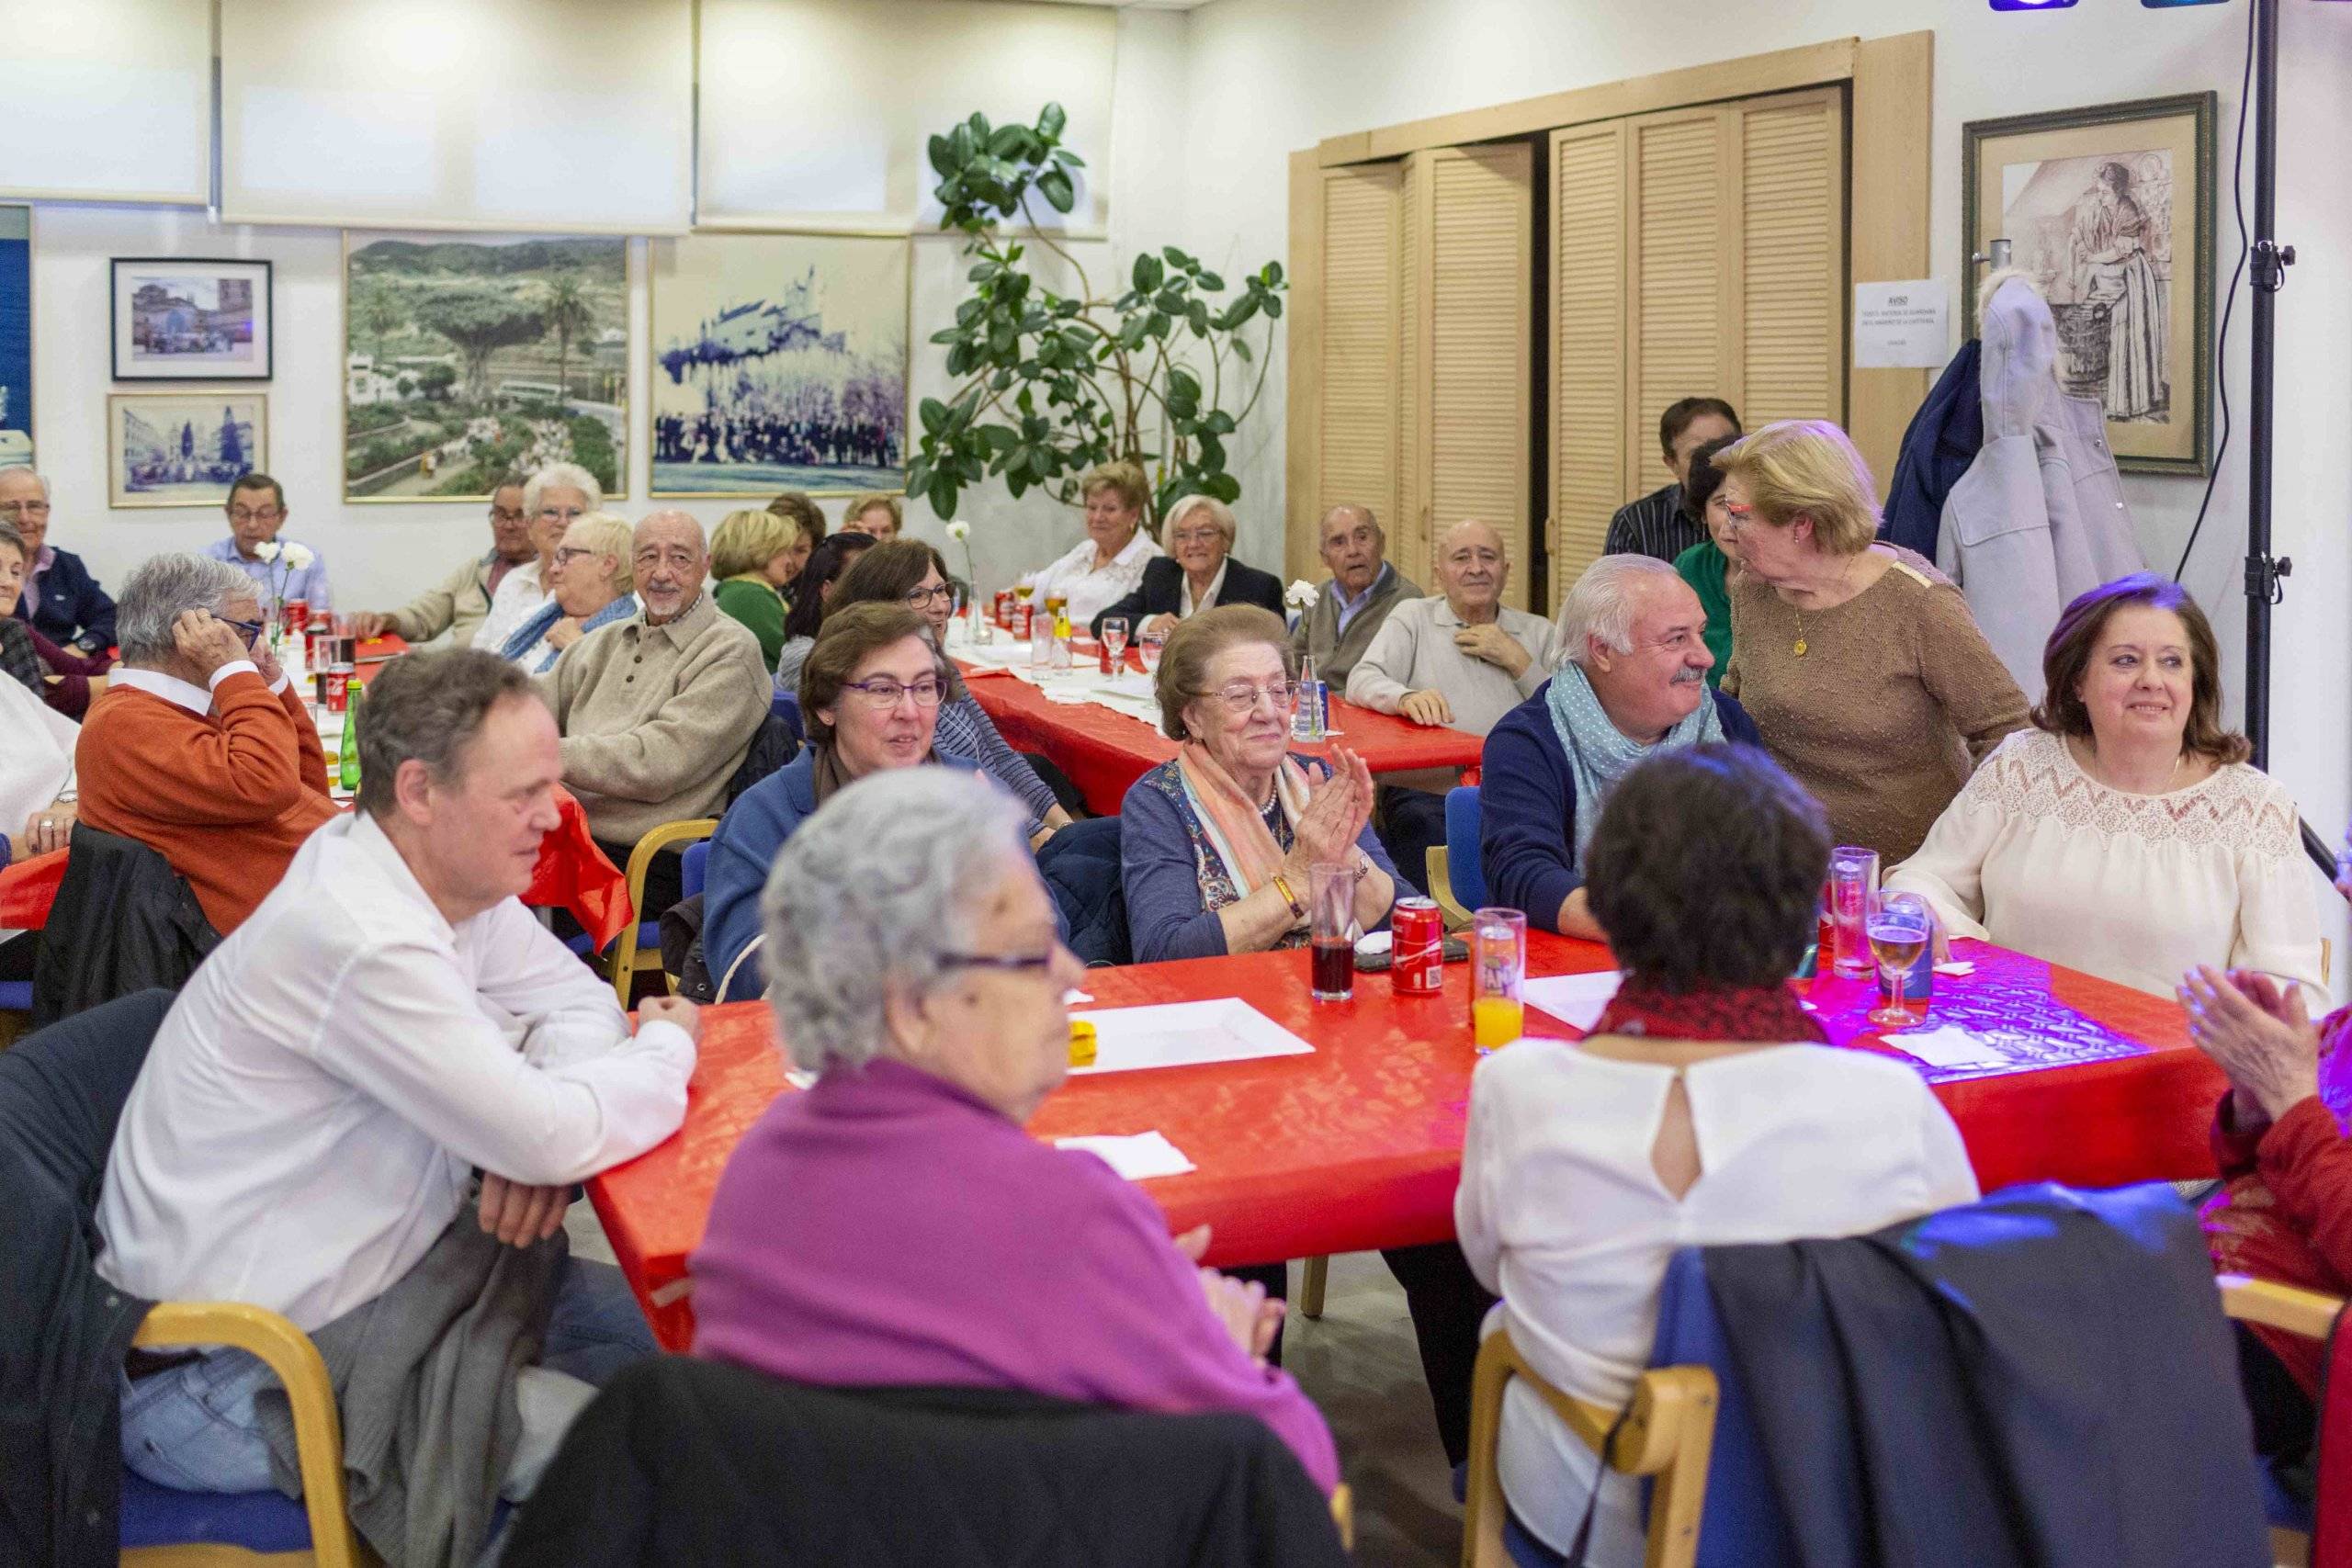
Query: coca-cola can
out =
(338, 688)
(1002, 607)
(297, 614)
(1417, 952)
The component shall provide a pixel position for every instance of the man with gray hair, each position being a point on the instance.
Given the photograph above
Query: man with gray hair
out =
(896, 1224)
(657, 711)
(306, 1132)
(60, 599)
(1349, 608)
(1633, 681)
(200, 746)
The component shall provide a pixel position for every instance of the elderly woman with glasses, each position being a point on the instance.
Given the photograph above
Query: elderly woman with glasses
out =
(1198, 571)
(553, 500)
(910, 572)
(869, 700)
(593, 582)
(1218, 845)
(895, 1225)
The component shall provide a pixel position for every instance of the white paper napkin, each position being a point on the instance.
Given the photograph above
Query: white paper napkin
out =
(1138, 1156)
(1578, 1000)
(1956, 966)
(1949, 1046)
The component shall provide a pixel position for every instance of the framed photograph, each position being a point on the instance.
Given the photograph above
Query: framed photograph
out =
(468, 357)
(15, 337)
(2110, 211)
(191, 318)
(182, 448)
(779, 363)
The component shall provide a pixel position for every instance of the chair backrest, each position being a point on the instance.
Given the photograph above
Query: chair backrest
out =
(1461, 866)
(785, 705)
(1742, 1524)
(692, 867)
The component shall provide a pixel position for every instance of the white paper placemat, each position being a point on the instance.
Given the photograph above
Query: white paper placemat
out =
(1138, 1156)
(1573, 998)
(1185, 1034)
(1950, 1046)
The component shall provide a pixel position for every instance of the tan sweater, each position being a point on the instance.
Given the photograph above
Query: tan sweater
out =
(656, 719)
(1894, 701)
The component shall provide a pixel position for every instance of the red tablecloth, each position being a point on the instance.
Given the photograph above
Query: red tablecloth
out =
(573, 875)
(1359, 1145)
(1104, 751)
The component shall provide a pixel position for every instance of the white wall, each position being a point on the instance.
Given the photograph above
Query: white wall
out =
(379, 554)
(1268, 76)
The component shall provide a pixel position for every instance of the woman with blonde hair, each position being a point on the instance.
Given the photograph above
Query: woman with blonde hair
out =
(1859, 661)
(592, 583)
(876, 514)
(1108, 564)
(753, 555)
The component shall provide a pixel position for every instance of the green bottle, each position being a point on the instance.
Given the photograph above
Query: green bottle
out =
(351, 738)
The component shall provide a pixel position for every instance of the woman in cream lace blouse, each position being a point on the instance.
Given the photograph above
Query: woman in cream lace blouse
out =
(2125, 834)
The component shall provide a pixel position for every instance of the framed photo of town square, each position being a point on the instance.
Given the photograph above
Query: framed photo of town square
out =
(191, 318)
(182, 448)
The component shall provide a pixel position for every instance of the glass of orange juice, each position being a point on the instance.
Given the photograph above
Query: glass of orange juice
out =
(1498, 976)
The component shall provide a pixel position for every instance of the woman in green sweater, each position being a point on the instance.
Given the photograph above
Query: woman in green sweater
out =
(754, 555)
(1704, 566)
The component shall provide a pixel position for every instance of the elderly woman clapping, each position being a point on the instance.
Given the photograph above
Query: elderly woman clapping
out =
(1218, 845)
(895, 1225)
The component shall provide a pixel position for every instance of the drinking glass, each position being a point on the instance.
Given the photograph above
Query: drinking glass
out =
(1853, 877)
(1150, 646)
(1114, 639)
(1899, 931)
(1332, 931)
(1498, 976)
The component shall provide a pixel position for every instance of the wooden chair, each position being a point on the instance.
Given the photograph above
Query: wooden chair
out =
(2304, 1314)
(639, 951)
(1668, 1436)
(217, 1536)
(1457, 880)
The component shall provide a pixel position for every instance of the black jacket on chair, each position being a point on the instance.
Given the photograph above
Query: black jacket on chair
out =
(123, 920)
(1163, 589)
(682, 1462)
(2043, 1377)
(62, 1091)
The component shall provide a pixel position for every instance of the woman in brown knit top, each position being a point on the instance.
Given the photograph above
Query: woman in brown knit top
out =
(1857, 660)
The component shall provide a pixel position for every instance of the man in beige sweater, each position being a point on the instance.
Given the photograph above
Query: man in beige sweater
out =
(658, 711)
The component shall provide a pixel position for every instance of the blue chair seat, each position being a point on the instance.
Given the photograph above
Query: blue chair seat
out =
(15, 995)
(693, 866)
(785, 705)
(1462, 868)
(1743, 1525)
(257, 1521)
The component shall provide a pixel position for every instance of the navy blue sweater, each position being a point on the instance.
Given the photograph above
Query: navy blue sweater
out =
(73, 608)
(1527, 807)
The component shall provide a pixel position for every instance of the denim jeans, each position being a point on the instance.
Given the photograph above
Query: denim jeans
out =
(194, 1427)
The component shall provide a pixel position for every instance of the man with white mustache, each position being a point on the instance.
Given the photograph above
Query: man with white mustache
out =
(657, 711)
(1632, 683)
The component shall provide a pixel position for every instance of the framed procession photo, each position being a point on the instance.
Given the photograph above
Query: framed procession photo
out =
(15, 337)
(2110, 210)
(191, 318)
(182, 448)
(779, 363)
(467, 358)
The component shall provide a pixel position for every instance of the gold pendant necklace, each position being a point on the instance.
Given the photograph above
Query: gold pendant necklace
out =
(1800, 631)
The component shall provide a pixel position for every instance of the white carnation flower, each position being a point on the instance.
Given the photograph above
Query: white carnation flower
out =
(1300, 594)
(959, 530)
(298, 556)
(266, 550)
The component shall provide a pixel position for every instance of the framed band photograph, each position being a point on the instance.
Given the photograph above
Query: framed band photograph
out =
(2110, 210)
(191, 318)
(182, 448)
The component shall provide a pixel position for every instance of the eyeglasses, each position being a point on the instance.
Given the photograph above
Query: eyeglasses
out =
(919, 597)
(266, 514)
(572, 552)
(882, 694)
(501, 515)
(1242, 696)
(253, 629)
(1736, 516)
(562, 513)
(1016, 962)
(24, 509)
(1197, 535)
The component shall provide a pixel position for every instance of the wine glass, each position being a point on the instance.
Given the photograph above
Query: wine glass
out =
(1114, 642)
(1899, 929)
(1149, 646)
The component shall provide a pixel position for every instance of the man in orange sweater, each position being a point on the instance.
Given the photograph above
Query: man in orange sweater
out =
(200, 746)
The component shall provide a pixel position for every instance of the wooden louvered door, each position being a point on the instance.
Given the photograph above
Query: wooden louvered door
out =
(1362, 306)
(1469, 217)
(1679, 301)
(1588, 331)
(1791, 256)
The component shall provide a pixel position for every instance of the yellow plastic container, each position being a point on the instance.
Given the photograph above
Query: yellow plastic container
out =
(1082, 1043)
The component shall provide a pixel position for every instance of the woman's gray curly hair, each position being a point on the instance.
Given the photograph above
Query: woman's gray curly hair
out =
(870, 896)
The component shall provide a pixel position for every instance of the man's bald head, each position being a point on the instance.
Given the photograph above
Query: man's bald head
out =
(1352, 545)
(1472, 567)
(670, 557)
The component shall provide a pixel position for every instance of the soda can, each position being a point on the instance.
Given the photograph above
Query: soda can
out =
(1322, 706)
(1417, 950)
(298, 615)
(1004, 608)
(1022, 613)
(338, 688)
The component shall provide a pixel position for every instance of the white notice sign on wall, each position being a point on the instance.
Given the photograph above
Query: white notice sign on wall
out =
(1901, 324)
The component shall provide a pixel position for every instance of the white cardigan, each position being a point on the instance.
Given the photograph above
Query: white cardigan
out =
(1560, 1211)
(2037, 855)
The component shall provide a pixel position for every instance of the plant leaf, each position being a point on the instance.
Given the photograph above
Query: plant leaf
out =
(1050, 121)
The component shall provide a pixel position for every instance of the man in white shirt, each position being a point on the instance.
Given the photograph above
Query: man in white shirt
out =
(310, 1119)
(1457, 659)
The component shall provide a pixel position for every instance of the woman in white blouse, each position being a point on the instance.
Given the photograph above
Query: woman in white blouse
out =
(553, 500)
(2125, 834)
(1109, 565)
(1703, 1107)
